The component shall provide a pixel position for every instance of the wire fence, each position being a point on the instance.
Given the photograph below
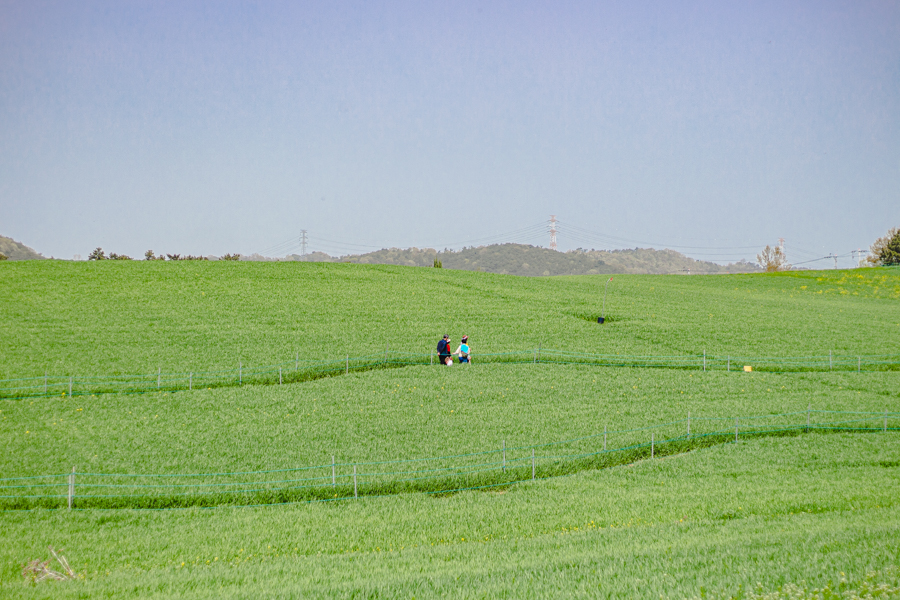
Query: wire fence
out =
(297, 370)
(492, 468)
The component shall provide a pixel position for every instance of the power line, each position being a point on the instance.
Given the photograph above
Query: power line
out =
(525, 231)
(608, 237)
(535, 234)
(828, 257)
(528, 233)
(280, 247)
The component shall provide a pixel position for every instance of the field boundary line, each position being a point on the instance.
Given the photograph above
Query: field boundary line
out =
(46, 386)
(438, 474)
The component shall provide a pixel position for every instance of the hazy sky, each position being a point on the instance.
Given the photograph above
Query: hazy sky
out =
(212, 127)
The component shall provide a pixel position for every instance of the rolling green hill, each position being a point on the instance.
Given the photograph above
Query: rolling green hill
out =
(112, 317)
(464, 414)
(781, 511)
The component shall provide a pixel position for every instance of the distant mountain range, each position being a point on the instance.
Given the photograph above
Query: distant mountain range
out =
(507, 259)
(14, 250)
(533, 261)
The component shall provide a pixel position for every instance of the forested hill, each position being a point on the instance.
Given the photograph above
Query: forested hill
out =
(507, 259)
(650, 261)
(519, 259)
(13, 250)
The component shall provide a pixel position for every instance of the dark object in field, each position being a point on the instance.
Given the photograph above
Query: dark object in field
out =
(601, 320)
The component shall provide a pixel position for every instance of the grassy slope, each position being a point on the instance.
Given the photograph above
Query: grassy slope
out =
(717, 521)
(134, 317)
(105, 318)
(402, 413)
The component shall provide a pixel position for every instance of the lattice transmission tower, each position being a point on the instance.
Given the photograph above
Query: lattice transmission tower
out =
(553, 232)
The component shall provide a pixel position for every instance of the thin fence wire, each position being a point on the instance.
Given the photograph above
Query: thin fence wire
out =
(491, 468)
(296, 370)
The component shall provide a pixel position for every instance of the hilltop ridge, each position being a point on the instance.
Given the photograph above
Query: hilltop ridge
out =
(14, 250)
(534, 261)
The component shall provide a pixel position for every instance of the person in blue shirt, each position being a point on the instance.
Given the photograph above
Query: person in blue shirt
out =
(443, 349)
(463, 351)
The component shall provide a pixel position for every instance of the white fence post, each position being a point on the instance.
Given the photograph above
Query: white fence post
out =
(191, 381)
(504, 456)
(158, 377)
(355, 492)
(333, 473)
(652, 444)
(72, 489)
(279, 376)
(70, 386)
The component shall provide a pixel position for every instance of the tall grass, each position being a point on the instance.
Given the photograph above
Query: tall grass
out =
(720, 522)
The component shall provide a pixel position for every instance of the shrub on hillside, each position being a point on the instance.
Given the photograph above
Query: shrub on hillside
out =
(230, 257)
(99, 254)
(3, 256)
(185, 257)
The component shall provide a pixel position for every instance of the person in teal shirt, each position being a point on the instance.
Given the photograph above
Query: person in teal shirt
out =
(463, 351)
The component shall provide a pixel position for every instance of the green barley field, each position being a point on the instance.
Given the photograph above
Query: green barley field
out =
(109, 318)
(493, 479)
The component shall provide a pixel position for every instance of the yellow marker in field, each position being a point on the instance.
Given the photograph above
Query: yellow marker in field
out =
(747, 368)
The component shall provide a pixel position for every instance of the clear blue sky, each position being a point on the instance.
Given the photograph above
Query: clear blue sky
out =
(214, 127)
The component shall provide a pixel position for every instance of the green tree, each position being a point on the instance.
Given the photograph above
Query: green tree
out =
(886, 249)
(890, 255)
(97, 254)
